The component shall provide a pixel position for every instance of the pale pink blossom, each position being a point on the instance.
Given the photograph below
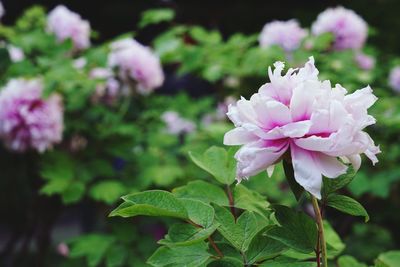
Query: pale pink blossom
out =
(394, 79)
(364, 61)
(176, 124)
(79, 63)
(349, 29)
(108, 91)
(63, 249)
(286, 34)
(27, 121)
(66, 24)
(222, 107)
(137, 62)
(16, 54)
(297, 114)
(2, 11)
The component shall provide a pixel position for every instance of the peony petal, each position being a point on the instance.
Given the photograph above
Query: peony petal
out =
(239, 136)
(330, 166)
(306, 170)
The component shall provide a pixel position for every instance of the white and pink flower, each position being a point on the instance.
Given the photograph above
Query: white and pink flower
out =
(66, 24)
(298, 114)
(364, 61)
(27, 121)
(394, 79)
(349, 29)
(176, 124)
(137, 62)
(286, 34)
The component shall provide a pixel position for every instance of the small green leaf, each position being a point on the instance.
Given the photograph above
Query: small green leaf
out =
(263, 248)
(334, 243)
(155, 16)
(241, 233)
(181, 234)
(287, 262)
(331, 185)
(116, 255)
(347, 205)
(199, 212)
(297, 231)
(92, 247)
(190, 256)
(250, 200)
(107, 191)
(151, 203)
(349, 261)
(202, 191)
(388, 259)
(216, 161)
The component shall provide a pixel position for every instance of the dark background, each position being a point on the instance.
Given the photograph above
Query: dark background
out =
(112, 17)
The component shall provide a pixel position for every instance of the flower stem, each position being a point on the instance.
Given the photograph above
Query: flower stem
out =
(321, 237)
(231, 201)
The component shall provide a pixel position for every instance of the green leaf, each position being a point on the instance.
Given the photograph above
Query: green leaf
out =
(263, 248)
(181, 234)
(107, 191)
(199, 212)
(287, 262)
(250, 200)
(202, 191)
(349, 261)
(57, 165)
(189, 256)
(331, 185)
(93, 247)
(297, 231)
(294, 186)
(334, 243)
(217, 162)
(388, 259)
(347, 205)
(151, 203)
(73, 193)
(240, 233)
(116, 255)
(155, 16)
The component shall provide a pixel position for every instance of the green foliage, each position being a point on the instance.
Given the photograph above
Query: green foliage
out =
(347, 205)
(151, 203)
(218, 162)
(155, 16)
(297, 230)
(388, 259)
(191, 256)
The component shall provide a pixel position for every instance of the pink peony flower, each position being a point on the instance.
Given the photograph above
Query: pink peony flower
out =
(394, 79)
(63, 249)
(364, 61)
(2, 11)
(66, 24)
(222, 107)
(349, 29)
(26, 119)
(298, 114)
(286, 34)
(79, 63)
(16, 54)
(136, 62)
(176, 124)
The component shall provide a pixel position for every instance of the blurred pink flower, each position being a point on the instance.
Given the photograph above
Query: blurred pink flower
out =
(137, 62)
(286, 34)
(79, 63)
(364, 61)
(2, 11)
(16, 53)
(394, 79)
(298, 113)
(63, 249)
(222, 107)
(349, 29)
(26, 119)
(176, 124)
(66, 24)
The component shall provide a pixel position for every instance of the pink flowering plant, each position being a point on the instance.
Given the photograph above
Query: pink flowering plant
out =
(84, 121)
